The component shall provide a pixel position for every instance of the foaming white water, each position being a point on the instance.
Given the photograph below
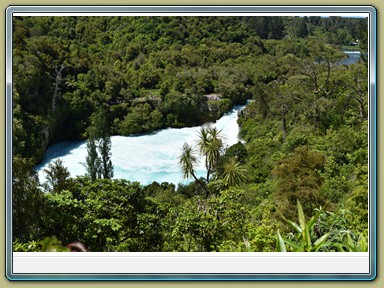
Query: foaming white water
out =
(351, 52)
(144, 158)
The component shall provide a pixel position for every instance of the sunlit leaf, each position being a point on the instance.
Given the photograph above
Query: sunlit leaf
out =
(280, 243)
(301, 215)
(319, 242)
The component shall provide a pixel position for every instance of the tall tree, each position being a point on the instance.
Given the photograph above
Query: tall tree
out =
(298, 177)
(358, 91)
(302, 30)
(316, 69)
(99, 166)
(211, 146)
(57, 176)
(93, 163)
(105, 152)
(277, 28)
(188, 162)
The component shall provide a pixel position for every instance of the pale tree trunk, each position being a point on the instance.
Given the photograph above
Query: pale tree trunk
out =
(58, 80)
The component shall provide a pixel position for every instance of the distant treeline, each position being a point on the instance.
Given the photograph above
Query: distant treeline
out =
(150, 72)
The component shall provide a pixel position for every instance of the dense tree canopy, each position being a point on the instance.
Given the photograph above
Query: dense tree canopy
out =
(304, 130)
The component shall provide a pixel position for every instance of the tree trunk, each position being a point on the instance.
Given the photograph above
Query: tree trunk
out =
(208, 169)
(362, 117)
(201, 184)
(58, 80)
(284, 125)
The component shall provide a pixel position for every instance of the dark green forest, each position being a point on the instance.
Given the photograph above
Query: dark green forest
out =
(304, 158)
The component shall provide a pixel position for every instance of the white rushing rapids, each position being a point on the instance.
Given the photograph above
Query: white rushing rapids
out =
(143, 158)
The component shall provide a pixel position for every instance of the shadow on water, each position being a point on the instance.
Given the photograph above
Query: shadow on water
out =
(59, 150)
(151, 133)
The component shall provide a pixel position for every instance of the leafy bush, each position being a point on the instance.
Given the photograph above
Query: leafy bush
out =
(304, 241)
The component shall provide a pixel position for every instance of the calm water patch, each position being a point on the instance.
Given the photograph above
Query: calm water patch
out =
(353, 57)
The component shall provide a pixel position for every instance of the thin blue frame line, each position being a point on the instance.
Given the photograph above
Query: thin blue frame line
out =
(375, 144)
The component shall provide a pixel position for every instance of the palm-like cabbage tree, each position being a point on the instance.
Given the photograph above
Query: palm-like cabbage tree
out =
(233, 172)
(187, 162)
(210, 145)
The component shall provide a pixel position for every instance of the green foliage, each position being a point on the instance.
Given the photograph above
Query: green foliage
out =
(57, 176)
(302, 30)
(267, 27)
(233, 172)
(353, 246)
(261, 230)
(203, 224)
(303, 241)
(218, 107)
(105, 152)
(30, 246)
(344, 234)
(92, 160)
(298, 178)
(210, 145)
(305, 131)
(52, 244)
(357, 203)
(188, 162)
(106, 215)
(139, 119)
(66, 68)
(64, 216)
(238, 150)
(48, 244)
(298, 136)
(27, 201)
(99, 166)
(227, 171)
(105, 220)
(338, 236)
